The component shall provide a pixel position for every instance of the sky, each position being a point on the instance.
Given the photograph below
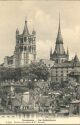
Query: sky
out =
(43, 16)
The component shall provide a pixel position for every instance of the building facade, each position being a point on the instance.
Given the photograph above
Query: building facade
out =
(25, 49)
(60, 71)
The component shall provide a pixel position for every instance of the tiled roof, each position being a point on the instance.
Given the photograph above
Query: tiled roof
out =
(63, 64)
(66, 64)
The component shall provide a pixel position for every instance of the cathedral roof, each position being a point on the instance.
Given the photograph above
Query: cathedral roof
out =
(62, 65)
(26, 31)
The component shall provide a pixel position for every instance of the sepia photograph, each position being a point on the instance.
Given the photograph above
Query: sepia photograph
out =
(40, 62)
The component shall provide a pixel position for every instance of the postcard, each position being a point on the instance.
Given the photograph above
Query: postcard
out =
(39, 62)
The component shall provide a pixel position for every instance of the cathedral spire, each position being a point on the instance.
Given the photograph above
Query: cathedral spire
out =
(59, 36)
(59, 29)
(59, 55)
(26, 31)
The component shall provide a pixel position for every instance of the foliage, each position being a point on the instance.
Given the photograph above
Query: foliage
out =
(36, 71)
(68, 91)
(10, 74)
(31, 72)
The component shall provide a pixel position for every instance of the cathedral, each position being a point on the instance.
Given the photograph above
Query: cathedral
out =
(25, 49)
(25, 53)
(62, 65)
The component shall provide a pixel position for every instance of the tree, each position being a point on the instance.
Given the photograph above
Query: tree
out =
(31, 72)
(10, 73)
(36, 71)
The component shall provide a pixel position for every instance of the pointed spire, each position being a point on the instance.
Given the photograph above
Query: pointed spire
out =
(17, 31)
(33, 32)
(76, 58)
(26, 31)
(59, 36)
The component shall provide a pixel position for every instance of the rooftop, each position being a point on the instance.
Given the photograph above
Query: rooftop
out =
(75, 102)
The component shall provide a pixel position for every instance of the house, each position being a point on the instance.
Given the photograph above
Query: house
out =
(74, 107)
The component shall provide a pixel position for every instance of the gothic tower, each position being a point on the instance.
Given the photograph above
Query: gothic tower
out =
(25, 49)
(59, 55)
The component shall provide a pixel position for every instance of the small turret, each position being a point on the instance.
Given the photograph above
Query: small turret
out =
(76, 58)
(34, 32)
(17, 31)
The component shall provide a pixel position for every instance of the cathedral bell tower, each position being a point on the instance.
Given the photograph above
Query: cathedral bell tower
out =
(59, 55)
(25, 49)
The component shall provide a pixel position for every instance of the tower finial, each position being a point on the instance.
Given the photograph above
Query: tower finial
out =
(59, 30)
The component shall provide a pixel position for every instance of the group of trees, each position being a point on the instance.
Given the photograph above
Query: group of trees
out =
(36, 71)
(69, 91)
(9, 73)
(31, 72)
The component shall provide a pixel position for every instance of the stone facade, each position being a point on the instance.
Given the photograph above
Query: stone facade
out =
(25, 49)
(60, 71)
(9, 61)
